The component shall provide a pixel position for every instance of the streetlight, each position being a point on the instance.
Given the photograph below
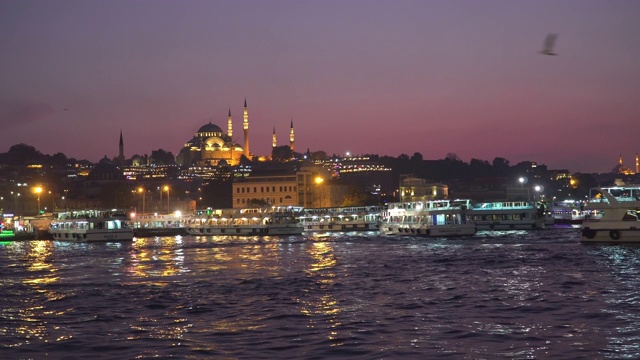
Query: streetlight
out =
(141, 190)
(53, 201)
(319, 180)
(38, 190)
(166, 188)
(522, 180)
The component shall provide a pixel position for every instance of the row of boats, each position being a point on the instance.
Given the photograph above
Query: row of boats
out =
(609, 218)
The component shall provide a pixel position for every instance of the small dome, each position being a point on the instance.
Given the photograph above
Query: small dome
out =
(210, 128)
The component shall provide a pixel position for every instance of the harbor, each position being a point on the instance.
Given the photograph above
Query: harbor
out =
(322, 295)
(616, 209)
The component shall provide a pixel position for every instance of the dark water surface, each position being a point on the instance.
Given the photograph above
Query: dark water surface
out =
(521, 295)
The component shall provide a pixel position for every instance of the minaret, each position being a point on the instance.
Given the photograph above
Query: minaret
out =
(291, 136)
(637, 163)
(273, 141)
(620, 160)
(229, 125)
(245, 124)
(121, 152)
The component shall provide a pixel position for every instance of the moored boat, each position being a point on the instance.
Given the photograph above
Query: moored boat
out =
(435, 218)
(507, 215)
(572, 212)
(145, 225)
(91, 225)
(248, 222)
(358, 218)
(619, 223)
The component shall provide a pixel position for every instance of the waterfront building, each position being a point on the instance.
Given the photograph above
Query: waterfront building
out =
(416, 189)
(265, 188)
(308, 187)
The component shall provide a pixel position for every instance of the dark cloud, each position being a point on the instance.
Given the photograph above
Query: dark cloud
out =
(16, 113)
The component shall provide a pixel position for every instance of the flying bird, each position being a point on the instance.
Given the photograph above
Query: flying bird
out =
(549, 41)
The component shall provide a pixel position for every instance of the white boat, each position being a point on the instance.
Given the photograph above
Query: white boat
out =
(572, 212)
(628, 194)
(359, 218)
(248, 222)
(619, 222)
(91, 225)
(435, 218)
(507, 215)
(146, 225)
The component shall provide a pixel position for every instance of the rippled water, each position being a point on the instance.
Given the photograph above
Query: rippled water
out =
(525, 295)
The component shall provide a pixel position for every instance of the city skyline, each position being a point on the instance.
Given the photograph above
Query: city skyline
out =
(377, 77)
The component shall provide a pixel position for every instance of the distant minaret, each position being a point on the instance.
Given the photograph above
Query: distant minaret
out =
(229, 125)
(245, 123)
(291, 136)
(620, 160)
(637, 163)
(274, 143)
(121, 152)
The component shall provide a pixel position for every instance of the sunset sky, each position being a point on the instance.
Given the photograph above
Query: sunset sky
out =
(382, 77)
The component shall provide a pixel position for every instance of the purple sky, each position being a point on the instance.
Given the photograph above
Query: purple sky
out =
(384, 77)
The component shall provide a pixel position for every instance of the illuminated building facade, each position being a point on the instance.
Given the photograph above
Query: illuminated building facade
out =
(416, 189)
(210, 147)
(263, 190)
(622, 169)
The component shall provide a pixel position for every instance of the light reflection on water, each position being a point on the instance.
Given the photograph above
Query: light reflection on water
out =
(319, 305)
(515, 295)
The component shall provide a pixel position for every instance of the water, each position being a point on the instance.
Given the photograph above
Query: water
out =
(513, 295)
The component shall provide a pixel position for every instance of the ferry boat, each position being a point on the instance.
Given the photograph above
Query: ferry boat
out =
(507, 215)
(248, 222)
(628, 194)
(146, 225)
(620, 221)
(572, 212)
(359, 218)
(91, 225)
(435, 218)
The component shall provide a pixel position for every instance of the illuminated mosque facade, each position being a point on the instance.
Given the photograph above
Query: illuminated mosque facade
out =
(622, 169)
(212, 147)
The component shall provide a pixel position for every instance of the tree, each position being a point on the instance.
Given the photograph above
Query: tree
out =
(480, 168)
(501, 167)
(319, 155)
(258, 202)
(357, 196)
(453, 157)
(162, 157)
(281, 153)
(22, 153)
(59, 159)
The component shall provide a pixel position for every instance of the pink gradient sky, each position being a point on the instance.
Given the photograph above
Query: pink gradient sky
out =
(384, 77)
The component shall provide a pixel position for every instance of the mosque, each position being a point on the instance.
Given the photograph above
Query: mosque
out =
(211, 146)
(622, 169)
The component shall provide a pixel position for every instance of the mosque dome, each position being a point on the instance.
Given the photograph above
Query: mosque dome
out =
(210, 128)
(105, 170)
